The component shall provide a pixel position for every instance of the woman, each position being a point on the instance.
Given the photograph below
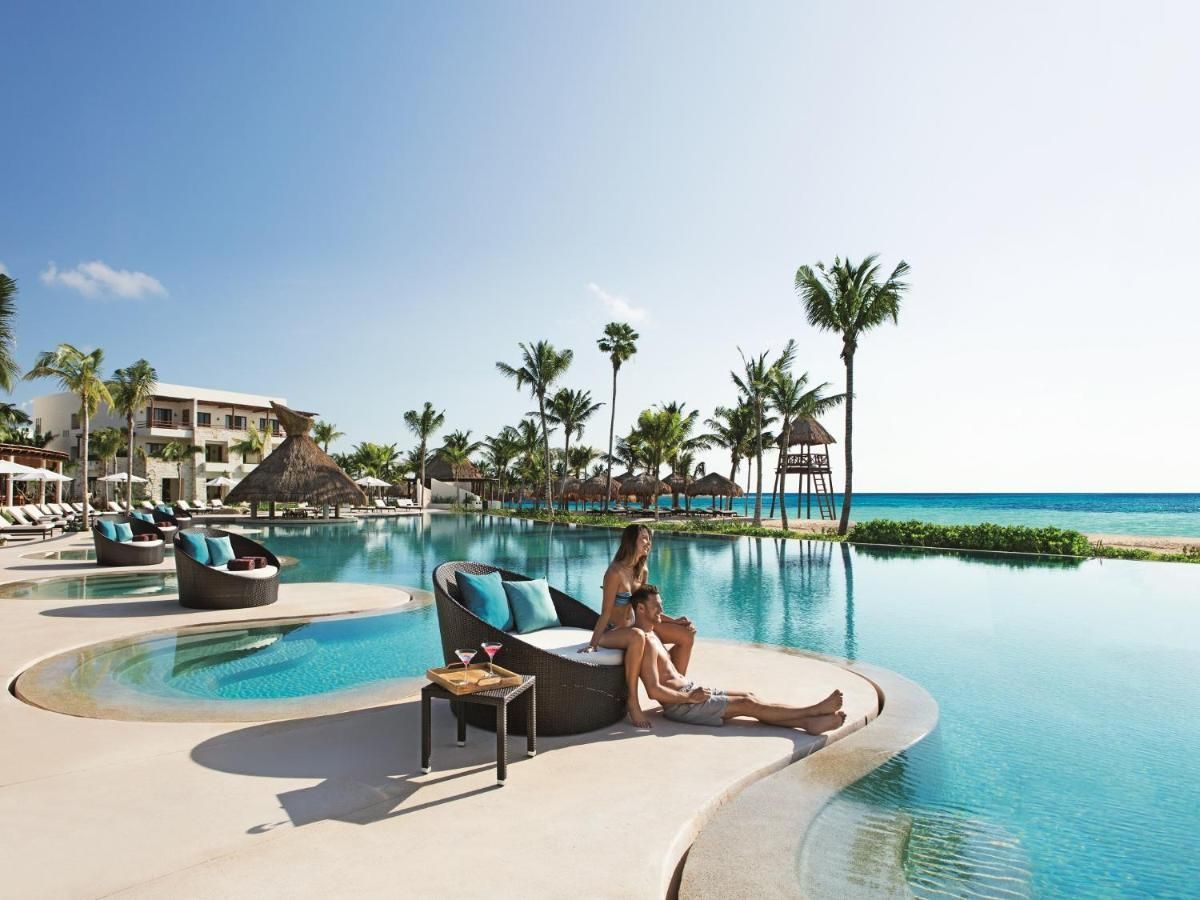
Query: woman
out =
(625, 574)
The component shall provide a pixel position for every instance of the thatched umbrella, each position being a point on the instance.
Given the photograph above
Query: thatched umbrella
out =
(714, 485)
(678, 484)
(644, 487)
(297, 471)
(593, 488)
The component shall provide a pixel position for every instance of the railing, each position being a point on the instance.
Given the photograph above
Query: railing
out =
(806, 462)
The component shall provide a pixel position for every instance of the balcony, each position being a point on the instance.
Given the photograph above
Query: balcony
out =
(217, 468)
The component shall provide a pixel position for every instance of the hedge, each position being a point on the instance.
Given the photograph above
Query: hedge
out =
(1006, 538)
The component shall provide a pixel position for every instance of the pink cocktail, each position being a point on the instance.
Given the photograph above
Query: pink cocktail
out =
(491, 648)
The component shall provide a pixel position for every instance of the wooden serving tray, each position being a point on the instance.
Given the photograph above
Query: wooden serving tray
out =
(475, 677)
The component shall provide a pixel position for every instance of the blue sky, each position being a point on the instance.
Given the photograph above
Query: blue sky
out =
(364, 206)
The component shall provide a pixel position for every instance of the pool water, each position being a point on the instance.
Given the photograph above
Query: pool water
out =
(80, 554)
(103, 586)
(1065, 760)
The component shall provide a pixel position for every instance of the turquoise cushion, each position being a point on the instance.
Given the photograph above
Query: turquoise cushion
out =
(143, 517)
(124, 531)
(484, 595)
(107, 528)
(220, 551)
(195, 545)
(531, 605)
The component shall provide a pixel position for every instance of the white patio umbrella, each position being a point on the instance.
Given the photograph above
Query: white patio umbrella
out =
(371, 481)
(220, 481)
(122, 477)
(41, 475)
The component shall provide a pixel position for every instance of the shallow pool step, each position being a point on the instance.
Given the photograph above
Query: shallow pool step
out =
(856, 850)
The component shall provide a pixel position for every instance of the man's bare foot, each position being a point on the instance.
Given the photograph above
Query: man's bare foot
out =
(638, 718)
(822, 724)
(830, 704)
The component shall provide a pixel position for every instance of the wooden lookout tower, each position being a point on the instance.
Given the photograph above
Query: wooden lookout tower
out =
(811, 463)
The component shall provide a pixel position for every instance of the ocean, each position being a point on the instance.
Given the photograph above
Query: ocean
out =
(1141, 514)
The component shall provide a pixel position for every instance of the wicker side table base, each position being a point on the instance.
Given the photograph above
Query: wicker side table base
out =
(499, 699)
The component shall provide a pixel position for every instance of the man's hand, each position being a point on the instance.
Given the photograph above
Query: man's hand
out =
(699, 695)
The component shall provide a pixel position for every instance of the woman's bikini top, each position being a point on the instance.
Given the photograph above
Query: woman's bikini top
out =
(622, 598)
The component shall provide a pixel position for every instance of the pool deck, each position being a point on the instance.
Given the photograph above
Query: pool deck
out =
(334, 803)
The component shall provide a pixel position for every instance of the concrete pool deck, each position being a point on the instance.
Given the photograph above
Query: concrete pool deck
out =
(335, 803)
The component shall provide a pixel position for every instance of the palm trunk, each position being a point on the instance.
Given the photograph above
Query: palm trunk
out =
(787, 440)
(421, 505)
(566, 464)
(758, 459)
(129, 463)
(732, 477)
(84, 465)
(546, 450)
(612, 422)
(848, 496)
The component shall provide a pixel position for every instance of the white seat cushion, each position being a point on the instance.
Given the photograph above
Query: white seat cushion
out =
(143, 543)
(568, 642)
(264, 572)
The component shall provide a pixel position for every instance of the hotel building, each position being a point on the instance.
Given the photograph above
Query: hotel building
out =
(210, 420)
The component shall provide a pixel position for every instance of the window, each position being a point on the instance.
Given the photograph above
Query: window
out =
(154, 449)
(262, 424)
(203, 419)
(74, 420)
(163, 416)
(37, 426)
(236, 422)
(275, 429)
(186, 417)
(215, 453)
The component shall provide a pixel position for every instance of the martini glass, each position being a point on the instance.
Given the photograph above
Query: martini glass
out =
(465, 656)
(491, 648)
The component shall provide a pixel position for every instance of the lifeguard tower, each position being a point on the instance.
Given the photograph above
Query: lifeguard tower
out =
(811, 463)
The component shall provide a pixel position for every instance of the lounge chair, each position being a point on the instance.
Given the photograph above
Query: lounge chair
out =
(41, 516)
(21, 516)
(113, 508)
(15, 529)
(207, 587)
(216, 505)
(146, 505)
(111, 552)
(575, 693)
(379, 504)
(62, 510)
(183, 513)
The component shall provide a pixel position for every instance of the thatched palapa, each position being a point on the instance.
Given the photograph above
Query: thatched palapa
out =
(298, 471)
(443, 471)
(593, 488)
(677, 483)
(714, 484)
(809, 431)
(645, 485)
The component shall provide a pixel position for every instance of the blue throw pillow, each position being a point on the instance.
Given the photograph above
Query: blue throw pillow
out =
(143, 517)
(220, 551)
(195, 545)
(531, 604)
(124, 531)
(166, 510)
(484, 595)
(107, 528)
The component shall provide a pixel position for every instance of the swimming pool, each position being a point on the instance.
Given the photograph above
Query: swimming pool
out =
(1064, 759)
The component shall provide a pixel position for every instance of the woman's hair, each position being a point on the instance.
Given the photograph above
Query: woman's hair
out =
(627, 552)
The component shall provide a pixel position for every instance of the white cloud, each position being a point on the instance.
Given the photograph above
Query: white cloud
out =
(94, 279)
(618, 306)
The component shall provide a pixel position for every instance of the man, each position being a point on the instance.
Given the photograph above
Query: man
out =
(684, 701)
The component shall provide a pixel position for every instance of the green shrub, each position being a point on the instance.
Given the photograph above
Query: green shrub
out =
(1006, 538)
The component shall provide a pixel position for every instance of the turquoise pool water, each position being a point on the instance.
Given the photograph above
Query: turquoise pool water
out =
(1065, 762)
(106, 585)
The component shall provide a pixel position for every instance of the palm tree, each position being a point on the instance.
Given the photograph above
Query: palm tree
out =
(253, 444)
(542, 365)
(732, 430)
(580, 458)
(78, 373)
(753, 382)
(619, 342)
(325, 433)
(571, 409)
(794, 400)
(106, 444)
(9, 370)
(529, 440)
(13, 421)
(686, 467)
(376, 460)
(423, 424)
(849, 299)
(179, 452)
(132, 388)
(500, 451)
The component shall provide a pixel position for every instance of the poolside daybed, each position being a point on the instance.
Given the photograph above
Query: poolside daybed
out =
(576, 693)
(203, 586)
(115, 552)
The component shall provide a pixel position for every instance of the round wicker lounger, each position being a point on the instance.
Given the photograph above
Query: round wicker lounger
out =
(573, 695)
(118, 553)
(203, 587)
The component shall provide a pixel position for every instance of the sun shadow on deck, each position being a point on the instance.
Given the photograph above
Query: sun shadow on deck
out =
(119, 610)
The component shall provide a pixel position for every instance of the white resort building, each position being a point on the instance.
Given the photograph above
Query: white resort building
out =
(213, 422)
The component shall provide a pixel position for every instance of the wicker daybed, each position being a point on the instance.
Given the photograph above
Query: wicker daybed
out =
(574, 694)
(208, 587)
(132, 553)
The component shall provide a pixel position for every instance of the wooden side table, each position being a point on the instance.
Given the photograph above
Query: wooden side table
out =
(499, 698)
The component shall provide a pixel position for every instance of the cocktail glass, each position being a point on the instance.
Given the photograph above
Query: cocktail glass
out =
(465, 656)
(491, 648)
